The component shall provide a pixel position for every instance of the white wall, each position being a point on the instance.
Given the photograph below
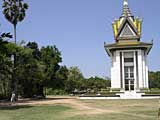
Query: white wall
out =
(115, 70)
(142, 69)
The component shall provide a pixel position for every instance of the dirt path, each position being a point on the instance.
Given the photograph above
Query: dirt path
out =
(81, 108)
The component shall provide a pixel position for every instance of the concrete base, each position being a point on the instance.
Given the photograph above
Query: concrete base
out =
(130, 95)
(126, 95)
(98, 98)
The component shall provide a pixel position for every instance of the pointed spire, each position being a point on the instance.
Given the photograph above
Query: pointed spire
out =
(126, 12)
(125, 2)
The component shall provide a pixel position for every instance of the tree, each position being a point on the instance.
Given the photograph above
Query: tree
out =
(5, 66)
(29, 73)
(36, 52)
(154, 79)
(50, 57)
(97, 83)
(14, 11)
(5, 75)
(75, 79)
(61, 77)
(33, 69)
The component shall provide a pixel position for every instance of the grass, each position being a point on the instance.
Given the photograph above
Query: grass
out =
(33, 112)
(127, 109)
(123, 110)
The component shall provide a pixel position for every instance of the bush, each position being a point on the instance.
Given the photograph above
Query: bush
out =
(152, 92)
(115, 89)
(3, 97)
(155, 89)
(144, 89)
(50, 91)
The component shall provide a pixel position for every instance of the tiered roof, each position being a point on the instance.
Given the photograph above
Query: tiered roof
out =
(127, 32)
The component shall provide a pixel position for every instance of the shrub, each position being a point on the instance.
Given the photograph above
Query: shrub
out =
(115, 89)
(50, 91)
(155, 89)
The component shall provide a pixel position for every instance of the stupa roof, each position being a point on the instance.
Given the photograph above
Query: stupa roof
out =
(128, 45)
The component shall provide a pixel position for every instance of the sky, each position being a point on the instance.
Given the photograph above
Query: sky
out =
(79, 29)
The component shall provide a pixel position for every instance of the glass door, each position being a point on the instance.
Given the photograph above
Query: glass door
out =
(129, 78)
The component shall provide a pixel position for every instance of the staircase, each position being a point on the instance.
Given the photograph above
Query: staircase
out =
(130, 95)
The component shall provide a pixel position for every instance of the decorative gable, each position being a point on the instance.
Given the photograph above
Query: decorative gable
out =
(127, 28)
(127, 31)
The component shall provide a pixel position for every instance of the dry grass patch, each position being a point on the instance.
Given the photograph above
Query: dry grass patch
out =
(71, 108)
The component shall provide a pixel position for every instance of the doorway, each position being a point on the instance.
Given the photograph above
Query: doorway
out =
(129, 78)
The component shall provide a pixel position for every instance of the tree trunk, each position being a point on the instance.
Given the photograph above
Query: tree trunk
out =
(14, 68)
(15, 35)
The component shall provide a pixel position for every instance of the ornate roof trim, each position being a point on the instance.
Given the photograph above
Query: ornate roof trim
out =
(128, 45)
(130, 23)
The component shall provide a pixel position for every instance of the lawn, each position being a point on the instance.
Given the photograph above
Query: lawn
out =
(75, 109)
(33, 112)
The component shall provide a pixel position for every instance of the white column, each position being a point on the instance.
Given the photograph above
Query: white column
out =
(118, 76)
(115, 71)
(146, 66)
(123, 76)
(140, 68)
(113, 57)
(135, 72)
(144, 69)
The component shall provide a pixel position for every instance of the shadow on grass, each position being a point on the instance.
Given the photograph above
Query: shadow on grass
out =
(14, 107)
(5, 105)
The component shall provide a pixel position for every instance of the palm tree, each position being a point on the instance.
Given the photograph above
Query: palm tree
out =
(14, 11)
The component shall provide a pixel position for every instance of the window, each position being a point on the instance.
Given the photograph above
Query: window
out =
(129, 72)
(131, 75)
(128, 59)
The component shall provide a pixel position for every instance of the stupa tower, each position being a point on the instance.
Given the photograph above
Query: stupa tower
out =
(129, 70)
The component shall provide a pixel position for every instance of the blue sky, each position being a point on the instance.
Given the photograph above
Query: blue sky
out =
(79, 29)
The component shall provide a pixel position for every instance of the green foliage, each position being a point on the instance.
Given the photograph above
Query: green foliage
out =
(155, 89)
(50, 91)
(35, 69)
(38, 72)
(144, 89)
(77, 84)
(75, 79)
(5, 75)
(153, 92)
(14, 10)
(30, 71)
(5, 67)
(154, 79)
(61, 78)
(50, 57)
(96, 84)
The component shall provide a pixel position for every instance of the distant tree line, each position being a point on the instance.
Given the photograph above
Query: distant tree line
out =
(154, 79)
